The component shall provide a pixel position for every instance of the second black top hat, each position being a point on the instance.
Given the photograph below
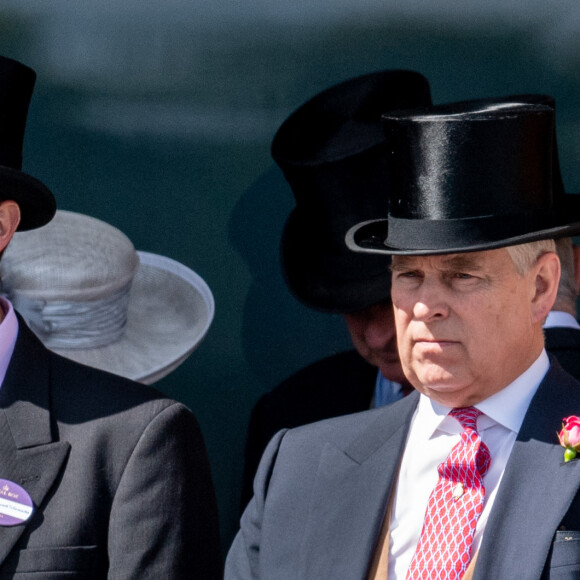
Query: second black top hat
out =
(332, 151)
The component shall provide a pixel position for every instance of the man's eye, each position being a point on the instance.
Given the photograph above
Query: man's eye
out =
(464, 278)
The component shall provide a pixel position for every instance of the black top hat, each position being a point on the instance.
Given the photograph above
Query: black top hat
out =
(560, 196)
(471, 176)
(36, 202)
(332, 152)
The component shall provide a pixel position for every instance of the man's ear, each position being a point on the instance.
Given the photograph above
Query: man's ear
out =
(546, 274)
(9, 220)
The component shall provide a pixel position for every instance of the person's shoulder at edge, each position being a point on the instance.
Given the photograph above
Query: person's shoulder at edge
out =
(79, 385)
(80, 394)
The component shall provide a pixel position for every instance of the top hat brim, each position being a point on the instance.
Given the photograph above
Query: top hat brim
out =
(395, 236)
(329, 279)
(470, 179)
(170, 311)
(36, 202)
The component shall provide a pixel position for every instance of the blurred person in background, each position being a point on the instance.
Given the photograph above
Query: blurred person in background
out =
(332, 153)
(561, 328)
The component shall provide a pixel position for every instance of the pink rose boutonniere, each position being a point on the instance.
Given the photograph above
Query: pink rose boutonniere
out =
(570, 437)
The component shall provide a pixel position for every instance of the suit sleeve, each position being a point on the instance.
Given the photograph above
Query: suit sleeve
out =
(256, 442)
(164, 521)
(242, 562)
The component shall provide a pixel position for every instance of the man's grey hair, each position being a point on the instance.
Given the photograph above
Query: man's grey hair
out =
(524, 256)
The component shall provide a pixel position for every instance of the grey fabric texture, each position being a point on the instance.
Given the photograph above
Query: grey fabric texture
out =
(118, 474)
(321, 492)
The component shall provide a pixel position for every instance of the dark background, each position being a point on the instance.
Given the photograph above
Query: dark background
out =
(157, 117)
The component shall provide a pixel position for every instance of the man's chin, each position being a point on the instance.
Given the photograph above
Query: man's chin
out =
(449, 393)
(438, 383)
(435, 377)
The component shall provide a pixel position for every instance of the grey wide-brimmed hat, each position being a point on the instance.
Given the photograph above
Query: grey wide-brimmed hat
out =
(90, 296)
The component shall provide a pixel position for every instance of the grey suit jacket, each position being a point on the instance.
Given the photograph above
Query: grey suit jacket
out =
(321, 492)
(118, 475)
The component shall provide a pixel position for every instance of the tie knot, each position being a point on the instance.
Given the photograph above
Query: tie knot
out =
(467, 416)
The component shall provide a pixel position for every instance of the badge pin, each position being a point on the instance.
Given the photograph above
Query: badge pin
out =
(16, 505)
(457, 491)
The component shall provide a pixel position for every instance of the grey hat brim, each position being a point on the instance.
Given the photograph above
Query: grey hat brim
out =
(170, 311)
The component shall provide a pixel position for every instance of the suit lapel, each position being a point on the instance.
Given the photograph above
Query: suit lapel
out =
(537, 487)
(351, 494)
(28, 454)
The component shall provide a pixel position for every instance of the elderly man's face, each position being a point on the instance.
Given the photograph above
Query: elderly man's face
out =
(469, 324)
(373, 334)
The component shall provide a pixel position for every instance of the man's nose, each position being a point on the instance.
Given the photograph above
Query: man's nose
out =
(431, 301)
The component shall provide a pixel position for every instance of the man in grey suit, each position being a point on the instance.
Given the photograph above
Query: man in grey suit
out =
(470, 228)
(100, 477)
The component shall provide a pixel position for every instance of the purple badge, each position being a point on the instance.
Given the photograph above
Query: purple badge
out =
(15, 504)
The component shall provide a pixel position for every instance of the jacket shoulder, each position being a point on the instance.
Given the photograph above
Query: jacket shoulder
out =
(42, 377)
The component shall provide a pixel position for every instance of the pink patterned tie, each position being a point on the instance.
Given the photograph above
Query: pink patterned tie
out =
(444, 548)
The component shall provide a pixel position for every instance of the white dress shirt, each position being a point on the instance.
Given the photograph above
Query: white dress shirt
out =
(431, 437)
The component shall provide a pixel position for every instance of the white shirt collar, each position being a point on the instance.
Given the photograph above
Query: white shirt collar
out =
(560, 319)
(506, 407)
